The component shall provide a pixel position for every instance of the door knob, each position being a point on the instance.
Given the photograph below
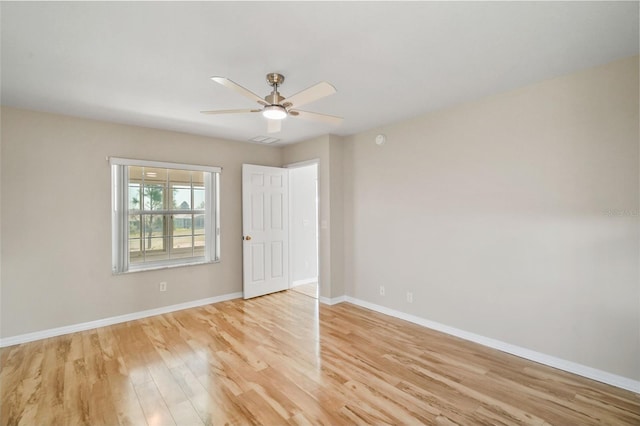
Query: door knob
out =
(248, 237)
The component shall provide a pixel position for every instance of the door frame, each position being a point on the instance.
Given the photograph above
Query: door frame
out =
(296, 165)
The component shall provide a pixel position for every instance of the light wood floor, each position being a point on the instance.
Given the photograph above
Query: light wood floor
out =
(310, 289)
(283, 359)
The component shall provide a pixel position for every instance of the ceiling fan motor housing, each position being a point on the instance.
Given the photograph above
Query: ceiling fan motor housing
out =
(274, 98)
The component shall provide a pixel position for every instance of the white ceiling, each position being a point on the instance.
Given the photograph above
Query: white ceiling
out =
(149, 63)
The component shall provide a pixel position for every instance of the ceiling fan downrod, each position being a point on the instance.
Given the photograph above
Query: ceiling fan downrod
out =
(274, 79)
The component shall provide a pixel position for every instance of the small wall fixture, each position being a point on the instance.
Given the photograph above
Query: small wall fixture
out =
(381, 139)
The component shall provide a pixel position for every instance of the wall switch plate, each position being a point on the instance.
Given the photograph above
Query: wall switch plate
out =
(163, 286)
(409, 297)
(381, 290)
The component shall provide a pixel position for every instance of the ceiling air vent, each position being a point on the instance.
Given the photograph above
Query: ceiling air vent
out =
(264, 139)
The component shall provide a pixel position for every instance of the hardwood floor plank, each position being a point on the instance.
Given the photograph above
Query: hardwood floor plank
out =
(310, 289)
(363, 413)
(261, 413)
(299, 419)
(550, 408)
(607, 413)
(153, 330)
(307, 408)
(29, 389)
(132, 346)
(390, 409)
(421, 412)
(102, 410)
(196, 393)
(174, 397)
(452, 406)
(125, 400)
(285, 359)
(51, 407)
(10, 376)
(155, 409)
(76, 393)
(632, 407)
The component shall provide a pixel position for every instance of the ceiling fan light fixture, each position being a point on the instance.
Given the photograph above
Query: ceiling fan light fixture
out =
(275, 107)
(274, 112)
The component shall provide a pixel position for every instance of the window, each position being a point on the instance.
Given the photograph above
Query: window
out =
(163, 214)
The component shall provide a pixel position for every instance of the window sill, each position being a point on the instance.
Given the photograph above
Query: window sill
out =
(146, 268)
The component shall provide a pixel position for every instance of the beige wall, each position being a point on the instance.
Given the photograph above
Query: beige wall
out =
(336, 182)
(56, 229)
(1, 298)
(496, 215)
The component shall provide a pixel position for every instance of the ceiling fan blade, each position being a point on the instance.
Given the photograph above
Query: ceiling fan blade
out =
(230, 111)
(239, 89)
(331, 119)
(274, 126)
(311, 94)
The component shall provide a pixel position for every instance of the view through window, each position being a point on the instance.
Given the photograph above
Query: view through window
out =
(163, 215)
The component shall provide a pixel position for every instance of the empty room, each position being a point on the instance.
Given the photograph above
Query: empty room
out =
(320, 213)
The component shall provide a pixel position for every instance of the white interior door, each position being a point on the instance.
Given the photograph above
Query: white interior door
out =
(265, 228)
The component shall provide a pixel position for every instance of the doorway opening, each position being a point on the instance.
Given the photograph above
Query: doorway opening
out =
(303, 230)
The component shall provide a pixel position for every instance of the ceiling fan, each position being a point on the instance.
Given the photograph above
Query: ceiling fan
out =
(276, 107)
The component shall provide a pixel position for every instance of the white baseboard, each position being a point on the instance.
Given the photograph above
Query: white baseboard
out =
(551, 361)
(305, 281)
(52, 332)
(329, 301)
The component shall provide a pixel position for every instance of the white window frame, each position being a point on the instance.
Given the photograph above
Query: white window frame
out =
(120, 216)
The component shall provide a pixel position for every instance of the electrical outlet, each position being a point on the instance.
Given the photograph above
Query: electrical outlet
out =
(381, 290)
(409, 297)
(163, 286)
